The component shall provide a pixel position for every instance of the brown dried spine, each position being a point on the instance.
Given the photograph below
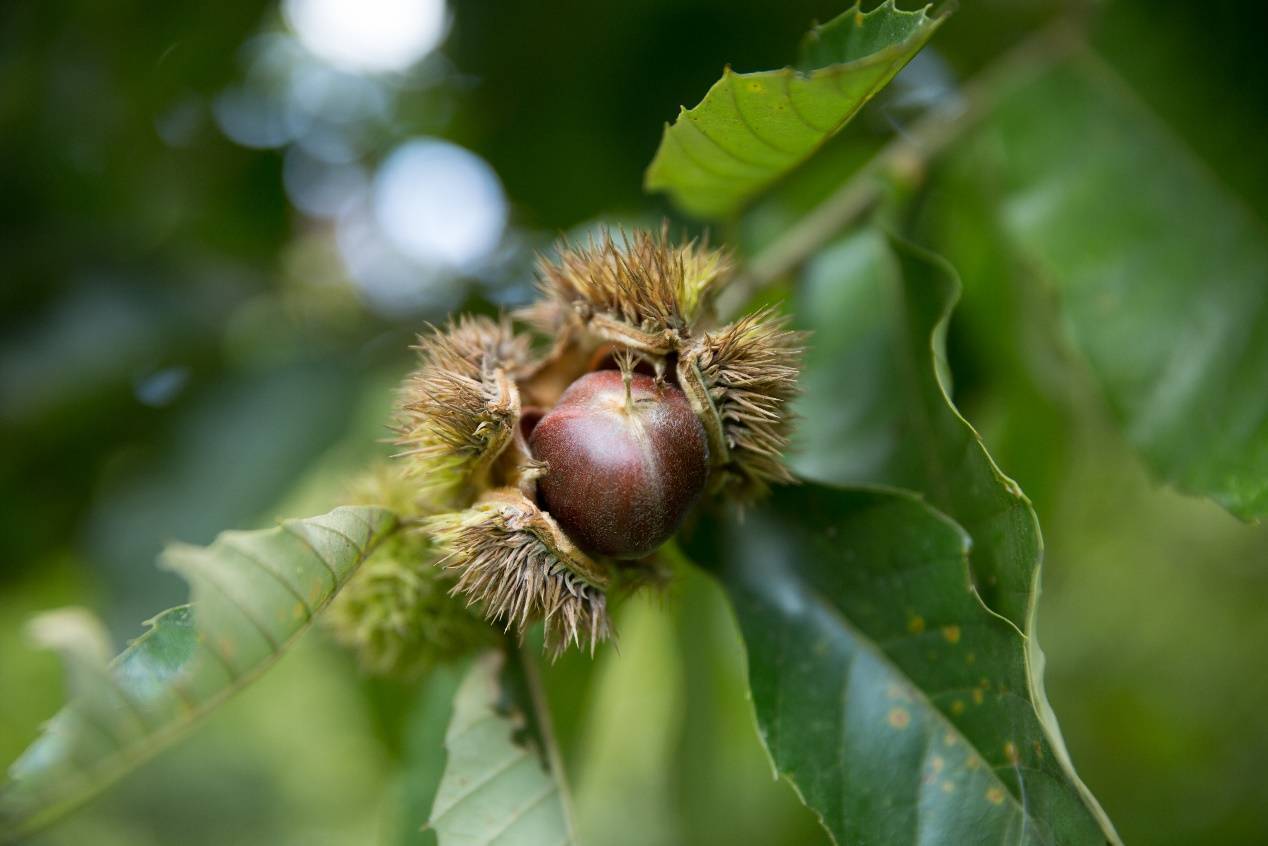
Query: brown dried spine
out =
(618, 458)
(740, 380)
(515, 561)
(459, 409)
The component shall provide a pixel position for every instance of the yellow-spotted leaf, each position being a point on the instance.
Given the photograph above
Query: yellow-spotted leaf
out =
(892, 654)
(900, 707)
(751, 128)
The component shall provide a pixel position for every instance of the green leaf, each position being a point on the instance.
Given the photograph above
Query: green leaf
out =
(252, 594)
(877, 410)
(877, 406)
(896, 703)
(632, 732)
(1006, 335)
(751, 128)
(497, 787)
(1161, 271)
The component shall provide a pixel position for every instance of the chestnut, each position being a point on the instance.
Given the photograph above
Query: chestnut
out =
(626, 458)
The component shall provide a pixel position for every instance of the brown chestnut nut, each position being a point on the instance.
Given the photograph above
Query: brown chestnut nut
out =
(625, 464)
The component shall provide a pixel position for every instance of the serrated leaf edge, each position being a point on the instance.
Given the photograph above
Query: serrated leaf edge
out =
(125, 758)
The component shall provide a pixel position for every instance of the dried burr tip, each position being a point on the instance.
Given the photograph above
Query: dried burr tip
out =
(513, 560)
(458, 410)
(637, 287)
(741, 379)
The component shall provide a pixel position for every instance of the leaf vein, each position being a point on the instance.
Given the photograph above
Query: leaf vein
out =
(306, 542)
(519, 812)
(278, 577)
(752, 130)
(240, 607)
(485, 777)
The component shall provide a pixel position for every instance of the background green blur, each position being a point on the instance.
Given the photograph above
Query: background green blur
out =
(220, 225)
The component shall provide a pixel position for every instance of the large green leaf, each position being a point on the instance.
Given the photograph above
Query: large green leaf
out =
(498, 786)
(751, 128)
(252, 593)
(877, 409)
(1162, 272)
(898, 705)
(877, 406)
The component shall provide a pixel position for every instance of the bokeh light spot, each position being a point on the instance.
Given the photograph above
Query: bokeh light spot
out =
(368, 35)
(440, 204)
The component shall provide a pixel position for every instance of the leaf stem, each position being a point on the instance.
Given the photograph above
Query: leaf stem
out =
(901, 162)
(546, 729)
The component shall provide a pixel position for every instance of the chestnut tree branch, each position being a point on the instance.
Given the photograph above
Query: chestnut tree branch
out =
(901, 162)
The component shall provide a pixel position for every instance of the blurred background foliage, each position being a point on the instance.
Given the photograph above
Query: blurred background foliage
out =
(222, 225)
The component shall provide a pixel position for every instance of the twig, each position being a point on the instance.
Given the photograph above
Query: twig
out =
(903, 160)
